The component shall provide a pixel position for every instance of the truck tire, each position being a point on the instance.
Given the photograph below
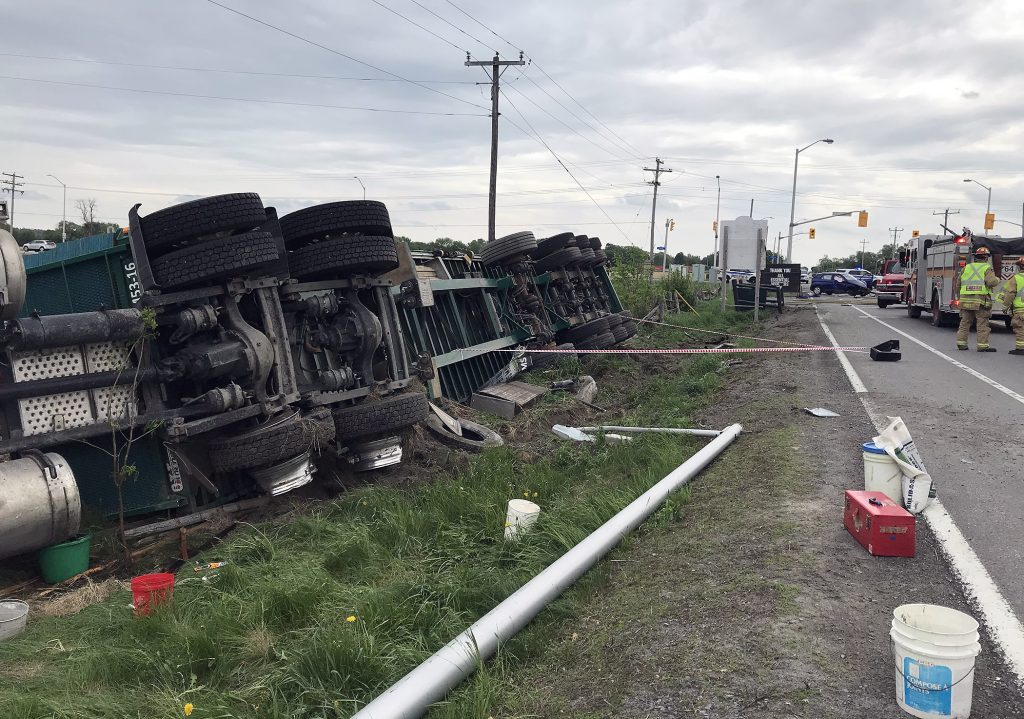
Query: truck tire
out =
(213, 260)
(541, 361)
(621, 334)
(882, 304)
(281, 438)
(345, 255)
(555, 242)
(505, 248)
(378, 417)
(206, 216)
(584, 331)
(597, 342)
(587, 257)
(937, 318)
(363, 217)
(558, 259)
(595, 243)
(913, 311)
(475, 437)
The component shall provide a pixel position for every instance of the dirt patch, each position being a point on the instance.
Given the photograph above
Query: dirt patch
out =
(75, 600)
(757, 603)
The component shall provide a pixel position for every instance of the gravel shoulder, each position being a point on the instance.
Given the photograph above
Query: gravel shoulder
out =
(754, 602)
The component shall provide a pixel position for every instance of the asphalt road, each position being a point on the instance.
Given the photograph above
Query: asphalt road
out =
(970, 433)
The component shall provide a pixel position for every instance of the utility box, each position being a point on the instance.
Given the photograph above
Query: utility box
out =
(739, 243)
(699, 273)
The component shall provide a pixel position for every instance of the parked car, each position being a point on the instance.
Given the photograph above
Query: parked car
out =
(831, 283)
(805, 275)
(38, 246)
(740, 275)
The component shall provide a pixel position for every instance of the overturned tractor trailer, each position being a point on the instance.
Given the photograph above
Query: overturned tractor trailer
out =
(215, 351)
(932, 267)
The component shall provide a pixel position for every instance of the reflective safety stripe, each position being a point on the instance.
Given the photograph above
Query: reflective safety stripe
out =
(972, 279)
(1018, 300)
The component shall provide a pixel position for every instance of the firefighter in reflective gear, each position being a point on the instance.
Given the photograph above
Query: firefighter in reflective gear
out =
(977, 281)
(1013, 301)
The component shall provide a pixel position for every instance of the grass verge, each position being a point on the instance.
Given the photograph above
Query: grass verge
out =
(314, 617)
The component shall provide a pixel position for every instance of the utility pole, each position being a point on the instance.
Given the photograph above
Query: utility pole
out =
(945, 217)
(863, 246)
(658, 162)
(64, 213)
(12, 185)
(496, 69)
(895, 237)
(718, 205)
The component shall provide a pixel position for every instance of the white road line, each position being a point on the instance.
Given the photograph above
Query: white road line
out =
(851, 373)
(973, 372)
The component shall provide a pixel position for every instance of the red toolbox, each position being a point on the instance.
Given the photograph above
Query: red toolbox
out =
(881, 525)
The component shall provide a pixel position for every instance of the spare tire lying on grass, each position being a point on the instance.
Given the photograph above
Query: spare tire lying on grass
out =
(475, 437)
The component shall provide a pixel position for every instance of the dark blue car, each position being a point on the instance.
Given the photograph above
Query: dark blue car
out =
(838, 283)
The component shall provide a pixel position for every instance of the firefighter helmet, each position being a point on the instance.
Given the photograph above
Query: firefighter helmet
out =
(1020, 261)
(981, 252)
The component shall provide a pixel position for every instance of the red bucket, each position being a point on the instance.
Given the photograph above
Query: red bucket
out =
(150, 590)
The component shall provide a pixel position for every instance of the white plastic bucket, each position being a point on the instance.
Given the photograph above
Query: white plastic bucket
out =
(13, 616)
(934, 650)
(881, 473)
(520, 516)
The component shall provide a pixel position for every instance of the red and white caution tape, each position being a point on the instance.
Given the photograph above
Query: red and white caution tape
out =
(695, 351)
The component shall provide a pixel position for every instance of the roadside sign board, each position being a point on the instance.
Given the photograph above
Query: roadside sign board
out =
(785, 276)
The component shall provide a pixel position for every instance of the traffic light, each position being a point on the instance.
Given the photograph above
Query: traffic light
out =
(862, 219)
(915, 233)
(810, 233)
(990, 220)
(671, 225)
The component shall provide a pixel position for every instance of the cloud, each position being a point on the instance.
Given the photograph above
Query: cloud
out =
(729, 88)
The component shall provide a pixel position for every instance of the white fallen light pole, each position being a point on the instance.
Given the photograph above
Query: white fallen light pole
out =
(428, 683)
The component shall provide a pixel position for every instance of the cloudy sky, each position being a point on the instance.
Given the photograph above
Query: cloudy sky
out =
(918, 95)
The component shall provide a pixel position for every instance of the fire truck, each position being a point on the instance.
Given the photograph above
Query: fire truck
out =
(933, 264)
(890, 289)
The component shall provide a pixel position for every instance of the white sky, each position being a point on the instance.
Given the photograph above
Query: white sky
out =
(918, 94)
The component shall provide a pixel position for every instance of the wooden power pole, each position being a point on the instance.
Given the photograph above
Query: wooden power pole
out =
(496, 66)
(657, 170)
(11, 185)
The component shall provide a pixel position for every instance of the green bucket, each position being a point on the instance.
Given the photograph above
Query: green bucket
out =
(65, 560)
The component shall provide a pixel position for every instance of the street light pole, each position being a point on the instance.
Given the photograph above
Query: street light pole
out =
(64, 221)
(792, 204)
(361, 185)
(988, 204)
(718, 206)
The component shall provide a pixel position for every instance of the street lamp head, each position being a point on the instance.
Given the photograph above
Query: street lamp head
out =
(967, 179)
(828, 140)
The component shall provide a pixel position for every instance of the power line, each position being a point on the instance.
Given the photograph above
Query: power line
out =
(424, 29)
(567, 126)
(331, 50)
(559, 161)
(239, 99)
(444, 20)
(597, 132)
(511, 45)
(257, 73)
(639, 153)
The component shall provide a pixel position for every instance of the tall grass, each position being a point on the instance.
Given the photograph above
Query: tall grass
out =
(638, 292)
(314, 617)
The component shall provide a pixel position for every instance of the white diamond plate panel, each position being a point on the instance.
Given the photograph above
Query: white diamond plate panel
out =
(45, 364)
